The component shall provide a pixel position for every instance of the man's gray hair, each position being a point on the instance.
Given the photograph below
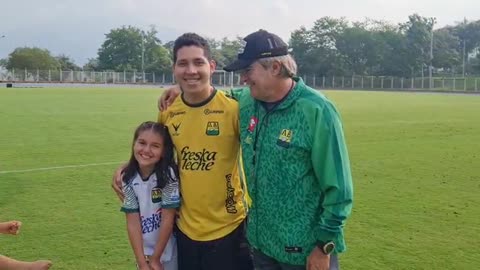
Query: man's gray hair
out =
(289, 66)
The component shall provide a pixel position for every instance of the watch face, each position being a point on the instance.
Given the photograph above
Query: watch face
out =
(328, 248)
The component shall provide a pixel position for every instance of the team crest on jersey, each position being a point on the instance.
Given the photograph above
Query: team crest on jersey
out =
(176, 127)
(156, 195)
(213, 129)
(285, 138)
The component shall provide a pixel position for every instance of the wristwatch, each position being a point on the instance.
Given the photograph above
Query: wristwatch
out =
(326, 247)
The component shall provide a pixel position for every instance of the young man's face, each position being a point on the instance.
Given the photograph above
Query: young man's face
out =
(193, 70)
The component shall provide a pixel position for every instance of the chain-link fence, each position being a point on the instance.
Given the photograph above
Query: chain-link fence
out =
(221, 78)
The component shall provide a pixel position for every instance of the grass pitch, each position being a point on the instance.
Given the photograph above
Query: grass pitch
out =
(414, 160)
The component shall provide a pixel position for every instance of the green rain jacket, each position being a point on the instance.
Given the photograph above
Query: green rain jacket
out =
(297, 171)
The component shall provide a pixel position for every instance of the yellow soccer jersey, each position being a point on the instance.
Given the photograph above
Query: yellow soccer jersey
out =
(207, 142)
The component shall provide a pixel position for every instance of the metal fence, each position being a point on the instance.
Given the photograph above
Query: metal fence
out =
(228, 79)
(394, 83)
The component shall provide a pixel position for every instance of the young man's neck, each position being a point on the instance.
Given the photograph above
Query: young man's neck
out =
(198, 97)
(280, 90)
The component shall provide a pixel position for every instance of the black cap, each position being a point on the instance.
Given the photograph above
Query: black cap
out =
(260, 44)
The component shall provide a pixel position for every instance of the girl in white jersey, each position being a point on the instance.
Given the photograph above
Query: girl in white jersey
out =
(150, 185)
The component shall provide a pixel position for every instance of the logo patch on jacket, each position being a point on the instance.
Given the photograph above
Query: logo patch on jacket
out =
(285, 138)
(213, 129)
(253, 123)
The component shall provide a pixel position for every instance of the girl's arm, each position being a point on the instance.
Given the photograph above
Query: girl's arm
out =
(166, 228)
(134, 230)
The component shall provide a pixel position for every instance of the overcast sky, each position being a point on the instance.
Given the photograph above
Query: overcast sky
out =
(77, 28)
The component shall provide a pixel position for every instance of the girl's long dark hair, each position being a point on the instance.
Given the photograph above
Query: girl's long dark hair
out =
(164, 166)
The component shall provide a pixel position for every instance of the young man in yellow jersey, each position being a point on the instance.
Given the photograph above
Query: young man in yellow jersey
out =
(204, 127)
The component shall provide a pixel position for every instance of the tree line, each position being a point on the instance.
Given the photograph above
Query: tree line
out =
(332, 46)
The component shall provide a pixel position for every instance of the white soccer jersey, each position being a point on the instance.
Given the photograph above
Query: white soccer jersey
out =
(144, 197)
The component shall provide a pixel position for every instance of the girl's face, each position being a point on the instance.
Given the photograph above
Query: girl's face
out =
(148, 149)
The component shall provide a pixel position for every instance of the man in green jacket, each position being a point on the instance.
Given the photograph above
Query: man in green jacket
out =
(295, 159)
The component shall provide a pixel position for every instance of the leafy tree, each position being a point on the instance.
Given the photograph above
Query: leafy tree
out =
(123, 49)
(229, 50)
(418, 35)
(446, 54)
(66, 63)
(31, 58)
(91, 65)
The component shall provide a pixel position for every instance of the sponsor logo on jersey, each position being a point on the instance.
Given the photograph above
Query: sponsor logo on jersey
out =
(253, 123)
(173, 114)
(230, 201)
(213, 129)
(176, 127)
(285, 138)
(197, 160)
(208, 111)
(150, 223)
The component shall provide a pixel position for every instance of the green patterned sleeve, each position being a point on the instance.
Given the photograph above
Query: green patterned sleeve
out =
(171, 193)
(130, 203)
(332, 169)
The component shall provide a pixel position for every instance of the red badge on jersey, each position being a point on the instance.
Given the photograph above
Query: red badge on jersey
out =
(253, 123)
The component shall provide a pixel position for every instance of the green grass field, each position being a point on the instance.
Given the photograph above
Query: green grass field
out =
(415, 161)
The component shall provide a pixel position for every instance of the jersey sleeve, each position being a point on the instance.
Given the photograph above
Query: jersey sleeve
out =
(161, 117)
(130, 203)
(170, 193)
